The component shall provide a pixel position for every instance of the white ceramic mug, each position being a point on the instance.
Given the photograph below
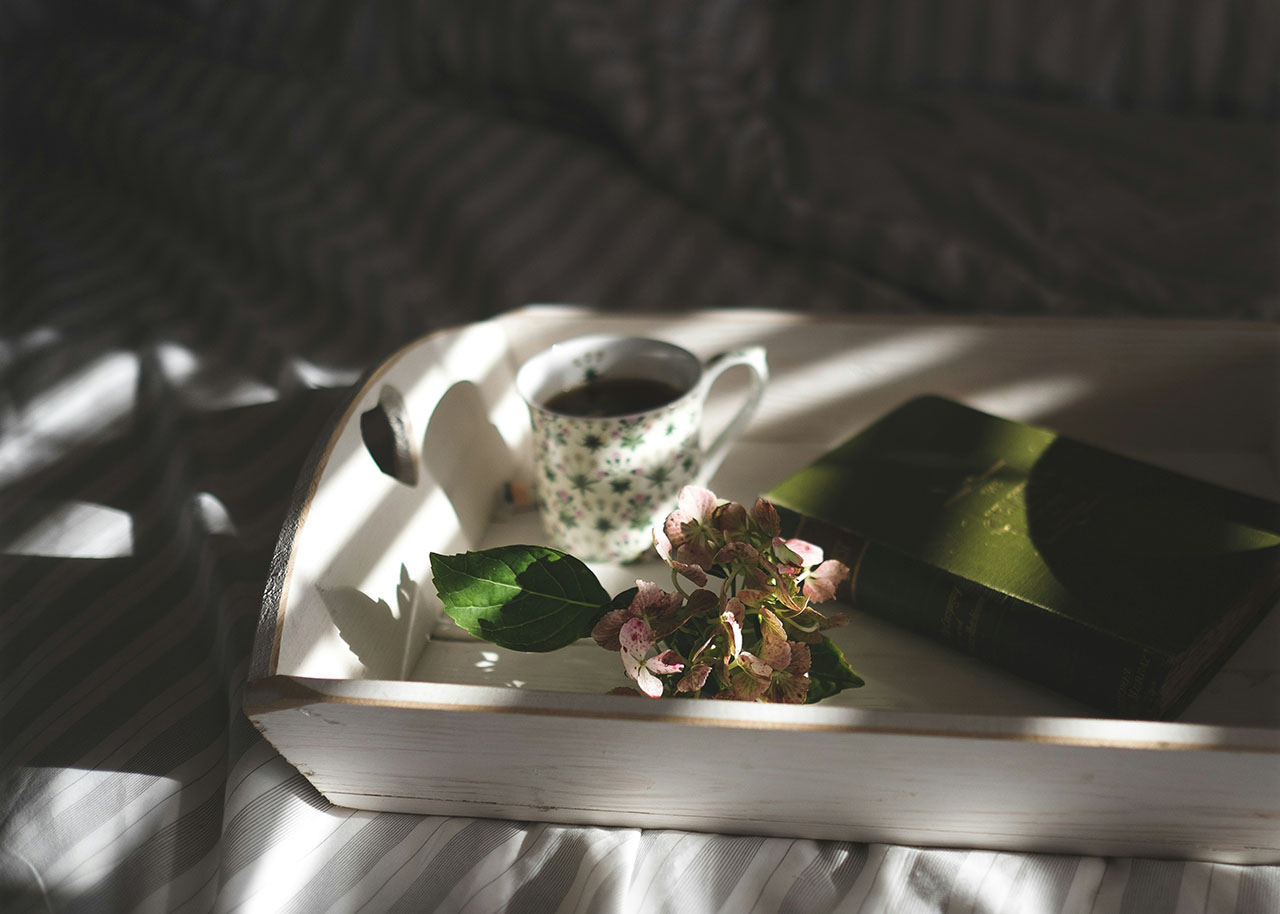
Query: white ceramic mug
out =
(603, 480)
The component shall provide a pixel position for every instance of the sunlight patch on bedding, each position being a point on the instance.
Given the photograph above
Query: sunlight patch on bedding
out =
(74, 530)
(155, 802)
(323, 376)
(178, 363)
(75, 410)
(283, 869)
(209, 388)
(213, 514)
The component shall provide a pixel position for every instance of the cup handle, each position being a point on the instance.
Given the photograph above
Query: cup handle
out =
(754, 358)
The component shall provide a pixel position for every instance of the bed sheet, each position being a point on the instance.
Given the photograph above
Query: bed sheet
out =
(216, 218)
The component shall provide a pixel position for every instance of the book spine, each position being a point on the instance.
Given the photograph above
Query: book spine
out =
(1108, 674)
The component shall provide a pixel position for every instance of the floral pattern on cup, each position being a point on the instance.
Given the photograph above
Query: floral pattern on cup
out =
(601, 482)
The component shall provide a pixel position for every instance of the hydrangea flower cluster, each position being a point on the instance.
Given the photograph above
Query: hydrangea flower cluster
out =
(741, 619)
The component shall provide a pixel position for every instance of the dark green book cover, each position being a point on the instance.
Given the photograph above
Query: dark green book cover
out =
(1118, 583)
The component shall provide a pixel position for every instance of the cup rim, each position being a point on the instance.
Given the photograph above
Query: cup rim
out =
(523, 378)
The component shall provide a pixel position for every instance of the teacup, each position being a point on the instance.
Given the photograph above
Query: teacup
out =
(617, 431)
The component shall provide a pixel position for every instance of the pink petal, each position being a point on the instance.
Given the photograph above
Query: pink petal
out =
(695, 679)
(680, 611)
(695, 552)
(635, 638)
(822, 582)
(746, 688)
(790, 690)
(755, 665)
(666, 662)
(664, 626)
(662, 544)
(774, 649)
(746, 685)
(736, 552)
(697, 501)
(606, 630)
(700, 601)
(801, 660)
(766, 517)
(809, 554)
(693, 572)
(651, 600)
(730, 517)
(674, 526)
(792, 684)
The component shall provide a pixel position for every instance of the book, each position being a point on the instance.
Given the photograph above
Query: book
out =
(1105, 578)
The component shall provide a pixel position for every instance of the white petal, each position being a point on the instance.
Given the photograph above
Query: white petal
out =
(697, 501)
(650, 684)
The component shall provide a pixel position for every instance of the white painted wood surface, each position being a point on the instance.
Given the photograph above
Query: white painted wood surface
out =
(383, 705)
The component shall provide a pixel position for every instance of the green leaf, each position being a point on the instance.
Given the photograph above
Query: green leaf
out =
(526, 598)
(829, 672)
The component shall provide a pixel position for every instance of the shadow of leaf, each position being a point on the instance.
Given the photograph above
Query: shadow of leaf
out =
(379, 637)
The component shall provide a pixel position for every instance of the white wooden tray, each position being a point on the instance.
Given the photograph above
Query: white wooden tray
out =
(383, 704)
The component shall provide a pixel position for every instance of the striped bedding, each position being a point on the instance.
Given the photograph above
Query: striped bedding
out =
(215, 217)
